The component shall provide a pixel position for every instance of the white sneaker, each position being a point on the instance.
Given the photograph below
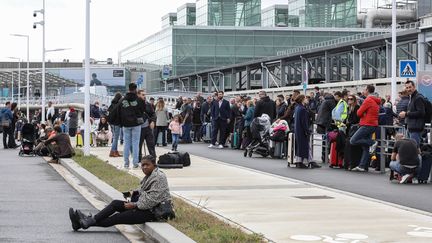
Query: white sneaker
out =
(211, 146)
(359, 169)
(406, 178)
(220, 146)
(373, 147)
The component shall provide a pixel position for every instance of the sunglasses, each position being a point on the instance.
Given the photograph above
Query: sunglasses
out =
(350, 98)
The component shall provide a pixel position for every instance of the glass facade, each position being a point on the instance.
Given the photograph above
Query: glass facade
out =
(276, 15)
(228, 12)
(186, 14)
(322, 13)
(188, 49)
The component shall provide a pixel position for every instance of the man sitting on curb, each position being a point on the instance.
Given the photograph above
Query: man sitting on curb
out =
(405, 159)
(153, 192)
(59, 146)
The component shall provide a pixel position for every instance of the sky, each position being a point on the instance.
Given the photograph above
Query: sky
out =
(115, 24)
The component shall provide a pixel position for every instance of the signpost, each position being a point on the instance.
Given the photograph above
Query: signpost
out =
(408, 69)
(424, 83)
(305, 79)
(165, 72)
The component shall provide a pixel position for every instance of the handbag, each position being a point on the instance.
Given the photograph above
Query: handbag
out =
(163, 211)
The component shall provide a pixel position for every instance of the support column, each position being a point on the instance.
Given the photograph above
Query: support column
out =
(327, 69)
(209, 83)
(221, 79)
(240, 86)
(199, 84)
(233, 80)
(264, 78)
(388, 60)
(356, 65)
(283, 73)
(248, 78)
(422, 52)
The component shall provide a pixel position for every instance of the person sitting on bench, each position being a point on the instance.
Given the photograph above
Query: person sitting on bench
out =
(152, 192)
(405, 159)
(59, 146)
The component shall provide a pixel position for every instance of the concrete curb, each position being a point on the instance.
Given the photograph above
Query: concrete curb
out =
(161, 232)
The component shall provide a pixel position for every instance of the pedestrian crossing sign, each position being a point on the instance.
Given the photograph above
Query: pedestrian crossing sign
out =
(407, 68)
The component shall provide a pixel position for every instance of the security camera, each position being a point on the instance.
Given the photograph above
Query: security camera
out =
(34, 14)
(34, 26)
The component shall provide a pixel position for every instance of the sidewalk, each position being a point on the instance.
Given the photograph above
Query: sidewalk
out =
(285, 210)
(35, 201)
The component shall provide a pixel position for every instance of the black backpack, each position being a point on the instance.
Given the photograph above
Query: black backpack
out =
(113, 114)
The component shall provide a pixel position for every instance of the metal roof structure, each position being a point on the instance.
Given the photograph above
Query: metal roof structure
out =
(35, 79)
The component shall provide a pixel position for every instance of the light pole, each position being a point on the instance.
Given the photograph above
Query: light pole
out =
(42, 23)
(393, 48)
(87, 83)
(19, 81)
(28, 73)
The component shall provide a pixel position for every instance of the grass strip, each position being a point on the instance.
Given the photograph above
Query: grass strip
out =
(193, 222)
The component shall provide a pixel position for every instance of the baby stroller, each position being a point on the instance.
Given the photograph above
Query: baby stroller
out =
(27, 140)
(260, 129)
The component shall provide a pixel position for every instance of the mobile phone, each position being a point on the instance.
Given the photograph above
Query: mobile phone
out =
(126, 194)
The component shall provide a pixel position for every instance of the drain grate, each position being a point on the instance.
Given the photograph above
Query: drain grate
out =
(313, 197)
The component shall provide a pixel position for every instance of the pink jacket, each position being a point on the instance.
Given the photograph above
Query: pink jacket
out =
(175, 127)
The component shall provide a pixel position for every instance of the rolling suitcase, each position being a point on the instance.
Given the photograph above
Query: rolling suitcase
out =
(426, 166)
(277, 149)
(207, 132)
(291, 149)
(335, 159)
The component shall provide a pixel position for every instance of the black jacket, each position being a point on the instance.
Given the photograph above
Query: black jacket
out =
(416, 113)
(113, 112)
(266, 106)
(205, 112)
(324, 117)
(149, 112)
(131, 108)
(281, 110)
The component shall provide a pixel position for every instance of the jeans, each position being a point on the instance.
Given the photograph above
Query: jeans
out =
(160, 129)
(416, 136)
(116, 136)
(175, 140)
(7, 131)
(363, 137)
(402, 170)
(186, 133)
(148, 136)
(131, 144)
(108, 217)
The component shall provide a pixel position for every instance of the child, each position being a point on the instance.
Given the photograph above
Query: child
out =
(175, 127)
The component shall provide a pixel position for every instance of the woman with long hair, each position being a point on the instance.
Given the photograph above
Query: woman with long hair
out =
(302, 134)
(162, 120)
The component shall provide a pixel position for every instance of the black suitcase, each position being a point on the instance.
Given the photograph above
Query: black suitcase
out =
(425, 169)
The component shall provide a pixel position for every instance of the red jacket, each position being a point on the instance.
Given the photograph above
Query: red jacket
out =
(368, 111)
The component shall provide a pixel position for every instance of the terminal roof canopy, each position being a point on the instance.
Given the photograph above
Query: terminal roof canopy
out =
(35, 79)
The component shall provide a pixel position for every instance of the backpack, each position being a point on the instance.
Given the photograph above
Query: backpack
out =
(113, 114)
(428, 110)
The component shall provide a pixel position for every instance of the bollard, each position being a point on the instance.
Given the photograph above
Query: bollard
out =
(382, 149)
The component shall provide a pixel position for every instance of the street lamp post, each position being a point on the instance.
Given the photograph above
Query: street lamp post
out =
(87, 83)
(42, 23)
(393, 48)
(28, 73)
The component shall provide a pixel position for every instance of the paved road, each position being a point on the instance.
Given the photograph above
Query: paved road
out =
(369, 184)
(34, 203)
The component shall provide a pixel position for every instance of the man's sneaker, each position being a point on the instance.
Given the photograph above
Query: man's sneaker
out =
(406, 178)
(135, 166)
(220, 146)
(359, 169)
(373, 147)
(211, 146)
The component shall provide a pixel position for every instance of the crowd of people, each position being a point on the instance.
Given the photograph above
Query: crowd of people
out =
(347, 120)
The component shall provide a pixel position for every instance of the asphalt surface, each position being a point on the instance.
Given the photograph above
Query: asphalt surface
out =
(34, 203)
(369, 184)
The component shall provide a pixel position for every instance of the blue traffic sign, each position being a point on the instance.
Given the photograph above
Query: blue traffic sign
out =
(407, 68)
